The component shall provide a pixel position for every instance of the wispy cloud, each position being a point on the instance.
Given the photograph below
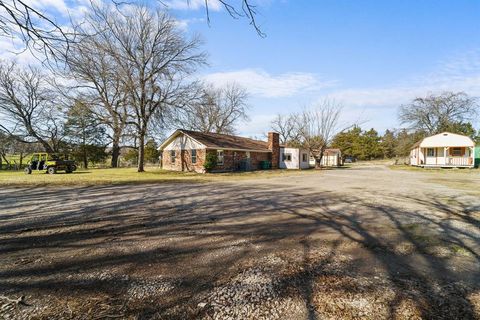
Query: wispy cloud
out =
(459, 73)
(262, 84)
(183, 24)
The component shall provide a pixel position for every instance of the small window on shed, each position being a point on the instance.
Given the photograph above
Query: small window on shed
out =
(172, 156)
(304, 157)
(287, 157)
(194, 155)
(457, 152)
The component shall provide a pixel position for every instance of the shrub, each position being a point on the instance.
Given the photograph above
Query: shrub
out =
(210, 161)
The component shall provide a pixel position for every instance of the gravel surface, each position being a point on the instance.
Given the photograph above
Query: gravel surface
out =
(367, 242)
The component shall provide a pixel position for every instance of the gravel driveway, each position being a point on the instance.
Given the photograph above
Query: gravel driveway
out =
(367, 242)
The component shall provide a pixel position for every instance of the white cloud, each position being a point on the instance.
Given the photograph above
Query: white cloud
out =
(459, 73)
(14, 49)
(261, 83)
(213, 5)
(183, 24)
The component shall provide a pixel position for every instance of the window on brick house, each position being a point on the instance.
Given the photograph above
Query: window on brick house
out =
(194, 156)
(220, 157)
(172, 156)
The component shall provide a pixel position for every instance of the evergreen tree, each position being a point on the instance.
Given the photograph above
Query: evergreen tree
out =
(151, 151)
(85, 134)
(371, 148)
(388, 144)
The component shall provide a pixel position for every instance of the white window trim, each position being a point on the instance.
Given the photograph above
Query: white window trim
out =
(193, 157)
(222, 157)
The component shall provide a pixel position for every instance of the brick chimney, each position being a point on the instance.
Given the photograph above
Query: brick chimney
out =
(274, 146)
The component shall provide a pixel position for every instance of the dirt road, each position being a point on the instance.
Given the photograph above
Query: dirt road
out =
(367, 242)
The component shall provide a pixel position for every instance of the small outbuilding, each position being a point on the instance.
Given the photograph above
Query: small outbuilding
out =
(330, 158)
(294, 158)
(445, 149)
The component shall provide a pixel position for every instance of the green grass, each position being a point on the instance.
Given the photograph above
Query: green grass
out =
(131, 176)
(435, 170)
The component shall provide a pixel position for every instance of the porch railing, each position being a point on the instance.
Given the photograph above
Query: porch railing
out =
(459, 161)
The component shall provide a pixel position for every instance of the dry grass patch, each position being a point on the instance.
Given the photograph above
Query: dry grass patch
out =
(131, 176)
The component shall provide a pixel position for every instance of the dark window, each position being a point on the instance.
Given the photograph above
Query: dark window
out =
(457, 152)
(194, 156)
(304, 157)
(430, 152)
(172, 156)
(287, 157)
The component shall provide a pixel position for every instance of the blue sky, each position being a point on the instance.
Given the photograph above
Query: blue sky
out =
(370, 56)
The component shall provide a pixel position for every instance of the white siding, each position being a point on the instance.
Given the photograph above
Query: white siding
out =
(296, 161)
(183, 142)
(441, 157)
(331, 160)
(293, 163)
(304, 164)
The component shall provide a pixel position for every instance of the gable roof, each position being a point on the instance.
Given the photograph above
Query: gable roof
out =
(220, 141)
(445, 139)
(331, 151)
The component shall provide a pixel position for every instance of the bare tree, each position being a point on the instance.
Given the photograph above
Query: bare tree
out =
(245, 10)
(435, 113)
(153, 57)
(97, 79)
(217, 110)
(317, 127)
(28, 107)
(38, 32)
(41, 33)
(286, 126)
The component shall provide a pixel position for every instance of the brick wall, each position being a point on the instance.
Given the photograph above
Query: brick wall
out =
(232, 160)
(274, 146)
(183, 160)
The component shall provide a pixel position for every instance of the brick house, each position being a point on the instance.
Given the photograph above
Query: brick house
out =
(186, 150)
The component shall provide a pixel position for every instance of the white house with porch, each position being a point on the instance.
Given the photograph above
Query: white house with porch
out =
(443, 150)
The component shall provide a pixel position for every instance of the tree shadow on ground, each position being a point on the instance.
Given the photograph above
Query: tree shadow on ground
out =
(90, 242)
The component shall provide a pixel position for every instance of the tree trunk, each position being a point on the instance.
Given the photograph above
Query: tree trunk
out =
(115, 154)
(46, 146)
(84, 147)
(1, 163)
(141, 152)
(21, 160)
(85, 158)
(318, 160)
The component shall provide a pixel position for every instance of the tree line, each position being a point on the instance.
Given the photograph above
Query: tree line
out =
(129, 76)
(423, 116)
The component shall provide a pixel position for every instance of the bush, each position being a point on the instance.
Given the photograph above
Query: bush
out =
(210, 161)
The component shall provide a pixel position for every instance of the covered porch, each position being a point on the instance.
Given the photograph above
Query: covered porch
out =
(448, 156)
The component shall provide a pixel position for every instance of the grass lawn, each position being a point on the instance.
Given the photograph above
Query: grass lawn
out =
(434, 170)
(131, 176)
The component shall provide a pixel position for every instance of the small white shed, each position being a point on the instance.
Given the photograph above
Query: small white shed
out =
(445, 149)
(330, 158)
(294, 158)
